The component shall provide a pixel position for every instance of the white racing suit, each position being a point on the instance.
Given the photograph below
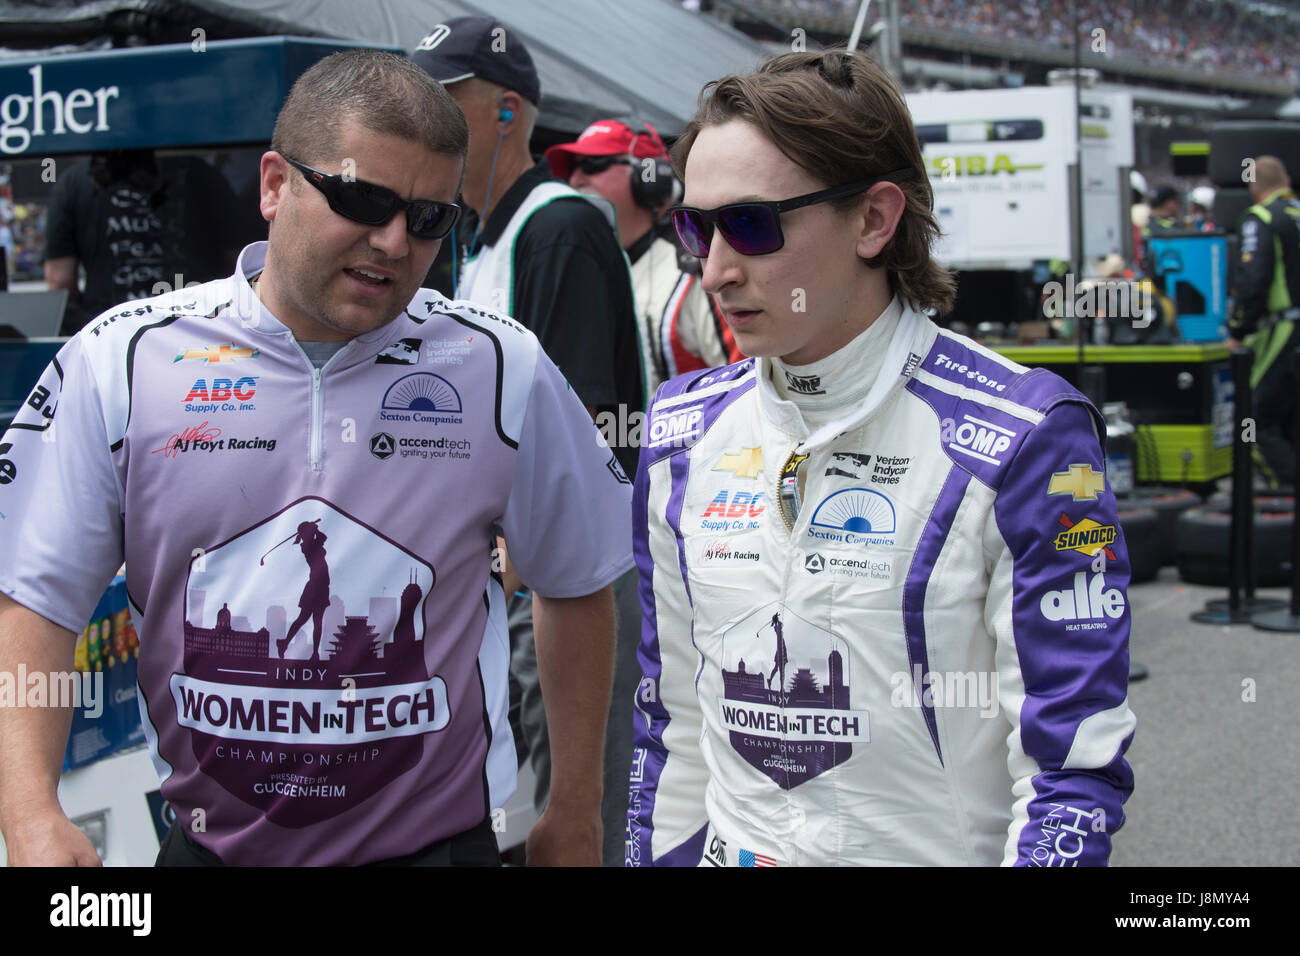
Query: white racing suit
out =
(918, 656)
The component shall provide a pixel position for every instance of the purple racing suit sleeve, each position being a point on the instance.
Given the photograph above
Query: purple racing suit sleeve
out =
(667, 819)
(1059, 610)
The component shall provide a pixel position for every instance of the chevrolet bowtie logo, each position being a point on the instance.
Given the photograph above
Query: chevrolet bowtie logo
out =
(747, 464)
(1080, 482)
(217, 353)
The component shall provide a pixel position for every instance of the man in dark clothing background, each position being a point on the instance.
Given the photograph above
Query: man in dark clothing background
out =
(1267, 306)
(549, 258)
(134, 221)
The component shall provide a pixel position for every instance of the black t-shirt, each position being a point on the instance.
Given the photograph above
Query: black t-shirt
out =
(573, 290)
(129, 238)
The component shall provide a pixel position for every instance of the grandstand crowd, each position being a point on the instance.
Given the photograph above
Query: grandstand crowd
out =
(1205, 35)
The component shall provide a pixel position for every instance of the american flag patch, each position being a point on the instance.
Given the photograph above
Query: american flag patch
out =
(750, 858)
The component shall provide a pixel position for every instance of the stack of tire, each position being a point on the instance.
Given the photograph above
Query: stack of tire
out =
(1149, 517)
(1203, 541)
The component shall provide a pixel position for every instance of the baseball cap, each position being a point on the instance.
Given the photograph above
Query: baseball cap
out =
(465, 47)
(607, 137)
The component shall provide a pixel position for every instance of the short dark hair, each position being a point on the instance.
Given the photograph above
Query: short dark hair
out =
(839, 116)
(385, 93)
(1163, 195)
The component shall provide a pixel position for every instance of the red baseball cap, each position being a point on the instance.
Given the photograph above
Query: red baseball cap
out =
(607, 137)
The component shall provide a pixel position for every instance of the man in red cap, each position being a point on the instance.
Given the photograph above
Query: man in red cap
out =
(681, 330)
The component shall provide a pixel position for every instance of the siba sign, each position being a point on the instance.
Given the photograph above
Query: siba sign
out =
(51, 112)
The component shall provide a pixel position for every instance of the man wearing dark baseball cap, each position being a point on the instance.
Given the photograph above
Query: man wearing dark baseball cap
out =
(681, 330)
(547, 257)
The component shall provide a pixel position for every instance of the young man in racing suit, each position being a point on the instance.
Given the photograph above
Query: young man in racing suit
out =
(883, 582)
(312, 394)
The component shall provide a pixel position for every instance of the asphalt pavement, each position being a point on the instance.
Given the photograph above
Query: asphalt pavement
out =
(1216, 754)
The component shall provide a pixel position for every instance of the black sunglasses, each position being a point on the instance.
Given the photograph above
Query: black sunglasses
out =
(595, 165)
(373, 205)
(754, 228)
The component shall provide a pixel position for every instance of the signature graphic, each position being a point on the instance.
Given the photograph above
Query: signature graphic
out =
(179, 442)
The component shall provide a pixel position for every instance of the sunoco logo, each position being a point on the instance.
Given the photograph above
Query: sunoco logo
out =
(1087, 537)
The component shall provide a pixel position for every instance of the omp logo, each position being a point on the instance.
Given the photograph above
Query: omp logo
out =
(676, 427)
(430, 42)
(717, 853)
(1087, 537)
(978, 439)
(1087, 600)
(217, 354)
(223, 389)
(805, 384)
(747, 463)
(1080, 482)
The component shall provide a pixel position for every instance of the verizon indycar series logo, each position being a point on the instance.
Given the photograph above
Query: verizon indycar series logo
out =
(785, 700)
(401, 352)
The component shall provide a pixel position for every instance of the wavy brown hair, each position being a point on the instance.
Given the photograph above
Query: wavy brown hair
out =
(840, 117)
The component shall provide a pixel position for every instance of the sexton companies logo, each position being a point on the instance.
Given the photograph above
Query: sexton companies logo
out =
(422, 398)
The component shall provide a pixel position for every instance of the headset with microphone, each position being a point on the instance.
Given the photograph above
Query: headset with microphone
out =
(504, 115)
(663, 186)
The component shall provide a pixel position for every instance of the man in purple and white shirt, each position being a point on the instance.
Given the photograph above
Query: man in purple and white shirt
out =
(316, 440)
